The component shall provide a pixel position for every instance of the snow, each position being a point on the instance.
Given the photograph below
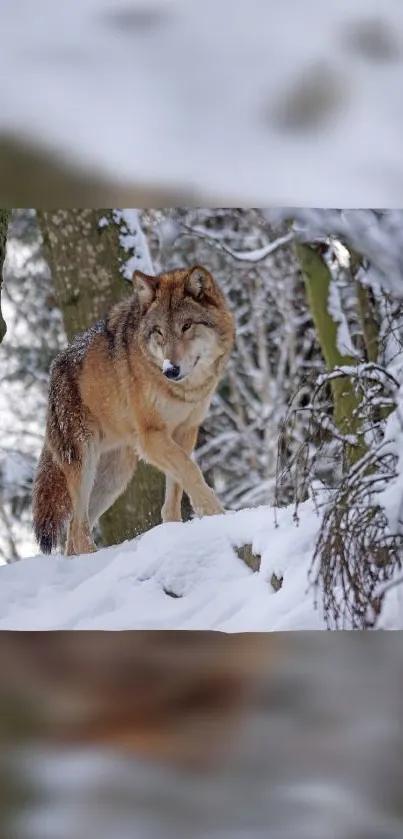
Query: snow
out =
(377, 236)
(255, 255)
(133, 242)
(181, 576)
(23, 407)
(334, 306)
(151, 92)
(176, 576)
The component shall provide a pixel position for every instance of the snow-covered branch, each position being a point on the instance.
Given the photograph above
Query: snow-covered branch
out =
(376, 235)
(253, 256)
(134, 242)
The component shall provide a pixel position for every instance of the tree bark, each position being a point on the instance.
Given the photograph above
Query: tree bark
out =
(4, 220)
(84, 260)
(346, 403)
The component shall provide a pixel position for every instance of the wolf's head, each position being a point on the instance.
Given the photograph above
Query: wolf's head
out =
(185, 325)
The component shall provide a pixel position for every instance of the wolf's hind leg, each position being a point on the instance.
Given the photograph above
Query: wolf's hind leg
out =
(80, 478)
(69, 550)
(114, 471)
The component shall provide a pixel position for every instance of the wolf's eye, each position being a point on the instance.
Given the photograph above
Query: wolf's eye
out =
(157, 332)
(186, 327)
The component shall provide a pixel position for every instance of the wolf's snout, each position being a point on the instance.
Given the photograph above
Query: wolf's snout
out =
(171, 371)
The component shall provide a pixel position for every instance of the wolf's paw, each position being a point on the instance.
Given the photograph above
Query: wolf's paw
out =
(168, 514)
(209, 507)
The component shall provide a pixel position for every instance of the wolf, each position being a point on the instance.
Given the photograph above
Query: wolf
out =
(137, 384)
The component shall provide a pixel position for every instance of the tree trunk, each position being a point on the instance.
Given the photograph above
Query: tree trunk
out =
(85, 260)
(4, 220)
(346, 403)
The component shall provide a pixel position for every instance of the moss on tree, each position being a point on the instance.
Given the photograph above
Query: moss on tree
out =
(346, 403)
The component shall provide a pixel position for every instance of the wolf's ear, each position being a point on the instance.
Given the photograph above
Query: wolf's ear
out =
(198, 282)
(145, 286)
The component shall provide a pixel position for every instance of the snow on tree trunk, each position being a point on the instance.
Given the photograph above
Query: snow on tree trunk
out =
(4, 219)
(346, 404)
(88, 252)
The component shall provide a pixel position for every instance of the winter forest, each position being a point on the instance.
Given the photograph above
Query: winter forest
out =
(302, 443)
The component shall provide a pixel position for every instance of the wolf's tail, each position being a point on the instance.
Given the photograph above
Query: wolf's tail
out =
(51, 503)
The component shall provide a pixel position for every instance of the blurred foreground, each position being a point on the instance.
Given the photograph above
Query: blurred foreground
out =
(161, 734)
(142, 103)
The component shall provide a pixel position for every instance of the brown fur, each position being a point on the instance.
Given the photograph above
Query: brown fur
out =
(110, 403)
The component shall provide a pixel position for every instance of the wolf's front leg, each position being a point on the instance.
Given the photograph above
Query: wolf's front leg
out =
(172, 511)
(161, 451)
(172, 507)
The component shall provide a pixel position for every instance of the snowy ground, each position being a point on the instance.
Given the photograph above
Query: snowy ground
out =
(179, 576)
(176, 576)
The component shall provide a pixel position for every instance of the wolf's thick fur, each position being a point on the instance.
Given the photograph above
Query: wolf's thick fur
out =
(137, 384)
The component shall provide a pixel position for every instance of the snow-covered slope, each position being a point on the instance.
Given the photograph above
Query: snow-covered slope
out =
(177, 576)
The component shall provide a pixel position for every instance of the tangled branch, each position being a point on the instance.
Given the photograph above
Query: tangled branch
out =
(356, 552)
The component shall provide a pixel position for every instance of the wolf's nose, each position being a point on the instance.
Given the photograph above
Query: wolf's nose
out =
(173, 371)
